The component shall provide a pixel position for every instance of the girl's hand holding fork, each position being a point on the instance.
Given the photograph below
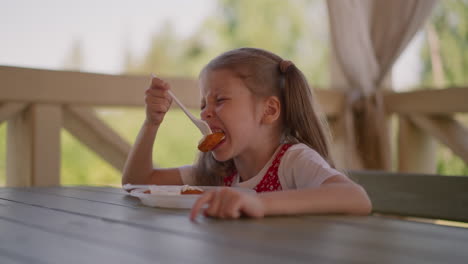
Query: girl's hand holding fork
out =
(157, 100)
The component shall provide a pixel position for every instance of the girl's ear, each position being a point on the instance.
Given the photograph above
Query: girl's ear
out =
(271, 110)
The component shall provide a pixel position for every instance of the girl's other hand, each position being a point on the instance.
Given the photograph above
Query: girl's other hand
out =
(227, 203)
(157, 101)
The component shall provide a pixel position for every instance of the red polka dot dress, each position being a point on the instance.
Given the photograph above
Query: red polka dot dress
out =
(270, 181)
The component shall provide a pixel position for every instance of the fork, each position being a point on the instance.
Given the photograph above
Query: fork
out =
(202, 125)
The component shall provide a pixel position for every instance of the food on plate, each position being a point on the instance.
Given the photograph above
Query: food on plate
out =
(187, 189)
(210, 141)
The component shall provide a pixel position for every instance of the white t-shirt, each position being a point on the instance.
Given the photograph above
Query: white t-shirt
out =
(300, 167)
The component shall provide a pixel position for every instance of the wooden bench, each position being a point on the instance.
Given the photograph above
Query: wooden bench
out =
(417, 195)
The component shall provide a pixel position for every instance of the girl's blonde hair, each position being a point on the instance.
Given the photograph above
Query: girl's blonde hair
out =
(260, 72)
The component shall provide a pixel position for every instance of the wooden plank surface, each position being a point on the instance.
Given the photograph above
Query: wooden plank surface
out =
(43, 246)
(428, 101)
(107, 222)
(167, 222)
(134, 243)
(419, 195)
(173, 224)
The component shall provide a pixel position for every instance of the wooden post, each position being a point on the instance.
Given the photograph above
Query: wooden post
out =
(33, 147)
(345, 155)
(7, 110)
(19, 150)
(416, 149)
(339, 146)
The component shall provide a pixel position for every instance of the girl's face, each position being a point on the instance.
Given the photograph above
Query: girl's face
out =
(228, 106)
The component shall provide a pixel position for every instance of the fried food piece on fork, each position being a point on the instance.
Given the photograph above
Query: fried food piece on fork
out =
(210, 141)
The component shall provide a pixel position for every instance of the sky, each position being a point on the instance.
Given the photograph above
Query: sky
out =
(40, 34)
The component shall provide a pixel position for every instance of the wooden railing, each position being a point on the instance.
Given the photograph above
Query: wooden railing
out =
(424, 115)
(38, 103)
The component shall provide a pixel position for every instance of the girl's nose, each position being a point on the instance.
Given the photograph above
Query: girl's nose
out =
(206, 113)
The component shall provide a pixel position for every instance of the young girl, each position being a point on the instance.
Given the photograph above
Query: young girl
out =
(275, 143)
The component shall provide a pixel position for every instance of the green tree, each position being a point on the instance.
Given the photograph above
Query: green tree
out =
(450, 24)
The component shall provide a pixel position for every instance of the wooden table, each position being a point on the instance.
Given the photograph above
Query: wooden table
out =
(104, 225)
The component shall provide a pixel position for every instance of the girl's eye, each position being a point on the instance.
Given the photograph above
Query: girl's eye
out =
(219, 100)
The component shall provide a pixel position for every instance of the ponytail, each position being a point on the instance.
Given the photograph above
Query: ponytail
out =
(303, 121)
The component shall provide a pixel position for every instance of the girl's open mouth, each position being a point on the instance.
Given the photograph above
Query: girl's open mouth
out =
(219, 144)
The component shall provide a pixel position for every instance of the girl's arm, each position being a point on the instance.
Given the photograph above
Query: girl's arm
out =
(337, 194)
(138, 168)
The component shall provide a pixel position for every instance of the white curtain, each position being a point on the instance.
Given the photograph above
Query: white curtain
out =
(368, 36)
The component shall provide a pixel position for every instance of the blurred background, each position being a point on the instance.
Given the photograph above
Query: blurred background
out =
(178, 37)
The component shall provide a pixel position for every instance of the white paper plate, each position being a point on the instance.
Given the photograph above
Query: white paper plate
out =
(168, 196)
